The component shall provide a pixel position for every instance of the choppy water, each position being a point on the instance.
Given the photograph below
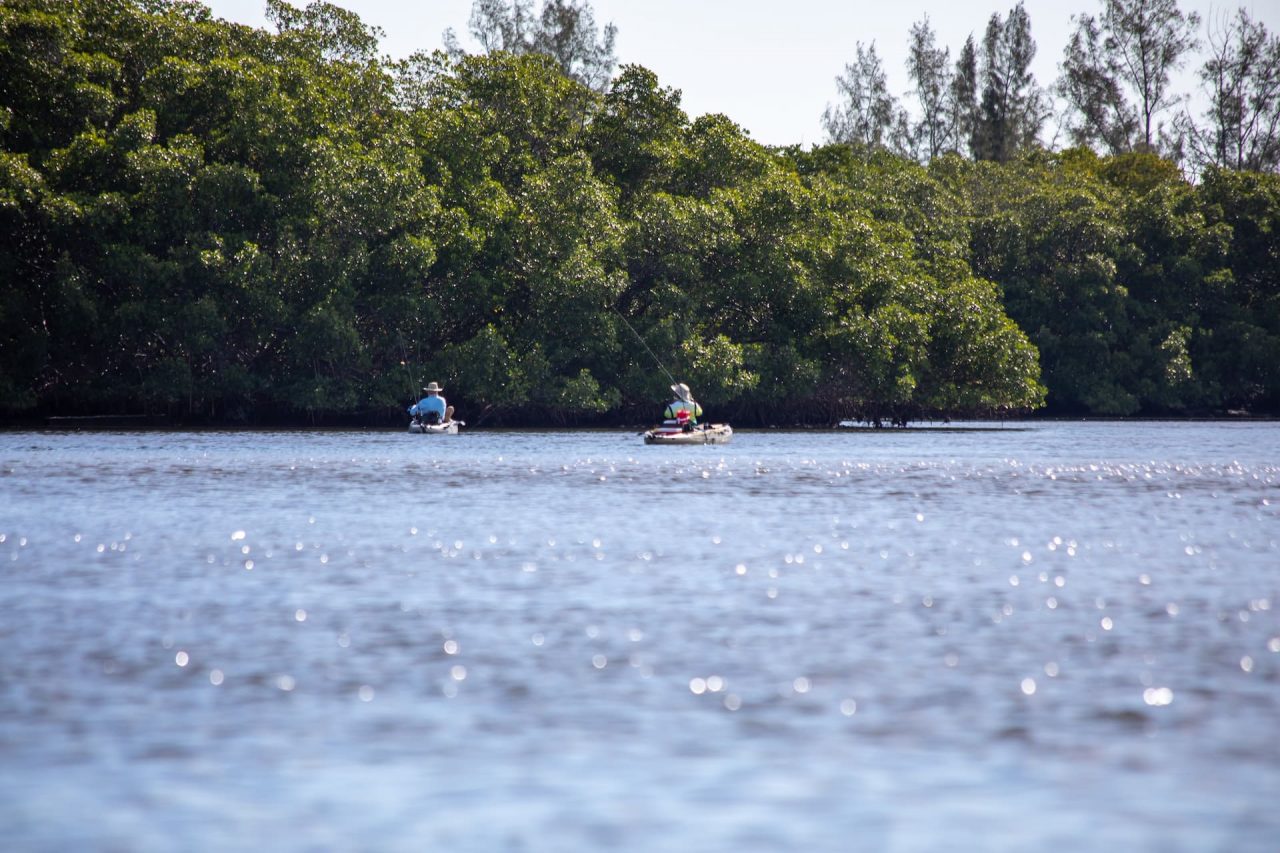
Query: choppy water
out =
(1062, 636)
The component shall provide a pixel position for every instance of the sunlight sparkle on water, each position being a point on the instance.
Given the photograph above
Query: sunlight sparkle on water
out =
(895, 566)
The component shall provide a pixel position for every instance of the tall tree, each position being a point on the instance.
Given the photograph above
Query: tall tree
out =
(1011, 111)
(567, 33)
(498, 26)
(962, 98)
(1104, 116)
(564, 30)
(1133, 46)
(868, 115)
(929, 68)
(1241, 127)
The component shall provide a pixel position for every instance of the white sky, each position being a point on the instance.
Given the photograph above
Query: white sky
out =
(769, 66)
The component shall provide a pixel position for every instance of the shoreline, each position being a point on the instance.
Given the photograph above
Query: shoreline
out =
(131, 423)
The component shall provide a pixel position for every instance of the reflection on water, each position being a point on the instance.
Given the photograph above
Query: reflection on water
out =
(1063, 634)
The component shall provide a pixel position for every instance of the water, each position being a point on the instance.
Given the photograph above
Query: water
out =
(1060, 636)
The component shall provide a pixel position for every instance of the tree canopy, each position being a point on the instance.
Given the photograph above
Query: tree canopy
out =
(228, 224)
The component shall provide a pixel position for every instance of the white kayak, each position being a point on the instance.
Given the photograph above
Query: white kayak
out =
(672, 433)
(449, 427)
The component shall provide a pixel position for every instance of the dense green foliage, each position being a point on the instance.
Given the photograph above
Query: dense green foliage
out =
(221, 223)
(1144, 294)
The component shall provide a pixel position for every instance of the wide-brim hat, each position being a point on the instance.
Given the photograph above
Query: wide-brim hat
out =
(431, 386)
(682, 391)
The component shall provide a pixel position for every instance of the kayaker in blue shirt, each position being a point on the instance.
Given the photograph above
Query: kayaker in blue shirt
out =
(684, 410)
(431, 408)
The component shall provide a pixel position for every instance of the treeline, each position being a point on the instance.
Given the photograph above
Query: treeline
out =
(1115, 91)
(219, 223)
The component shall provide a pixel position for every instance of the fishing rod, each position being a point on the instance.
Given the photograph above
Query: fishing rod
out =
(408, 372)
(645, 345)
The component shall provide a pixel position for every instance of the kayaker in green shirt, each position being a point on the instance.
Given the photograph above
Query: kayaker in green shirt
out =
(684, 410)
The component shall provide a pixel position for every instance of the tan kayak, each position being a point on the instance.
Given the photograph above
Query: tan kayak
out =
(672, 433)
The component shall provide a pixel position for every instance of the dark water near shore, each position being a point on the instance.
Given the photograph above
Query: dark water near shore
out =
(1062, 636)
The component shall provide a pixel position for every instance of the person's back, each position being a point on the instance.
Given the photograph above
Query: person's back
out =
(684, 404)
(676, 407)
(431, 408)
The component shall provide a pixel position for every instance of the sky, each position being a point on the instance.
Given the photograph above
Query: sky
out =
(769, 66)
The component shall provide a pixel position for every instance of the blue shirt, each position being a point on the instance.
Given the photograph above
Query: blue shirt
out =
(429, 403)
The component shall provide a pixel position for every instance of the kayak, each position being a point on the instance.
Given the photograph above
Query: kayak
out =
(672, 433)
(449, 427)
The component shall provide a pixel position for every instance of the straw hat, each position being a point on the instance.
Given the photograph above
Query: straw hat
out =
(682, 391)
(432, 388)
